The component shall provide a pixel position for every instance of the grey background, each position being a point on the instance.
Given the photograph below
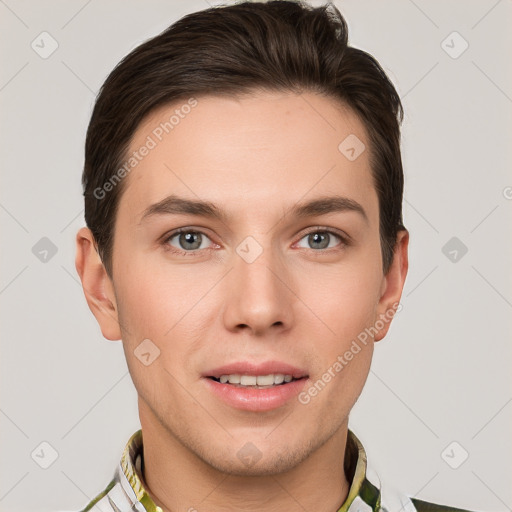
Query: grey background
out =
(443, 372)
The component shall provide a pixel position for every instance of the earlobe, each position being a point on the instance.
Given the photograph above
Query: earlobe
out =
(393, 284)
(97, 286)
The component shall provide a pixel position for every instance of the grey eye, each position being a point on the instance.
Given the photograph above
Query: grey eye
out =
(321, 240)
(188, 240)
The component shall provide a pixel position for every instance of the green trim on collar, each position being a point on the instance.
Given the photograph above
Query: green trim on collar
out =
(132, 450)
(355, 464)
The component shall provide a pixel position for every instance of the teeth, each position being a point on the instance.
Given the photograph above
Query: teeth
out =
(265, 380)
(256, 380)
(248, 380)
(279, 378)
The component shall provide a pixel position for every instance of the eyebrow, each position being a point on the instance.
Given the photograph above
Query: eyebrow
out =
(173, 204)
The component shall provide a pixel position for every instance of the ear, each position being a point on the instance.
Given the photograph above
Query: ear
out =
(98, 288)
(392, 285)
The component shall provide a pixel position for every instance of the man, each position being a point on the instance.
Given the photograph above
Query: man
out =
(243, 190)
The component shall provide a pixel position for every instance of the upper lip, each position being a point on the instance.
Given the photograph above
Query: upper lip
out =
(252, 368)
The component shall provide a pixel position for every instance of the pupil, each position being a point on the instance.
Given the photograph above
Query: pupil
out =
(190, 238)
(319, 238)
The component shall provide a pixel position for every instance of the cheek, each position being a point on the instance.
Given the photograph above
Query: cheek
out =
(165, 305)
(152, 309)
(148, 291)
(345, 299)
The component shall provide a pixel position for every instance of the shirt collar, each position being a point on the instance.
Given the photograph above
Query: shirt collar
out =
(363, 496)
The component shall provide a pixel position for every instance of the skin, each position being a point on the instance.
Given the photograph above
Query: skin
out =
(255, 156)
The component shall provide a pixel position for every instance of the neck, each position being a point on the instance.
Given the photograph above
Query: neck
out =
(178, 480)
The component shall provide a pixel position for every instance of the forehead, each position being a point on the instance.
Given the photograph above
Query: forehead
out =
(255, 150)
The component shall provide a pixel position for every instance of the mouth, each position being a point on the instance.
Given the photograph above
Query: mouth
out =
(256, 375)
(256, 387)
(256, 381)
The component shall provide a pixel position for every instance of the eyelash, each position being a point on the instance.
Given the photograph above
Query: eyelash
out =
(345, 241)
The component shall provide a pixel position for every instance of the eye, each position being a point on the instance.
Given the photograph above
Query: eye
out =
(186, 241)
(190, 242)
(323, 239)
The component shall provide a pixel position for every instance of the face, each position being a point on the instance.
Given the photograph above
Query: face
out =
(277, 270)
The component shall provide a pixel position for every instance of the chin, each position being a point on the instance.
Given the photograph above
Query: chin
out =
(259, 458)
(266, 466)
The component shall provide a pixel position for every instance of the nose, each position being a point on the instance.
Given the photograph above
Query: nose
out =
(259, 296)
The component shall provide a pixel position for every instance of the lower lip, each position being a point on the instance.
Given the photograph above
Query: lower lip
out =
(253, 399)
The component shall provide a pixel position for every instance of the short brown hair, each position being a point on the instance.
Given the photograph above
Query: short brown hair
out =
(279, 45)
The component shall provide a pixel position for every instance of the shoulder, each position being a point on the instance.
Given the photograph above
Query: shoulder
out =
(425, 506)
(102, 502)
(394, 499)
